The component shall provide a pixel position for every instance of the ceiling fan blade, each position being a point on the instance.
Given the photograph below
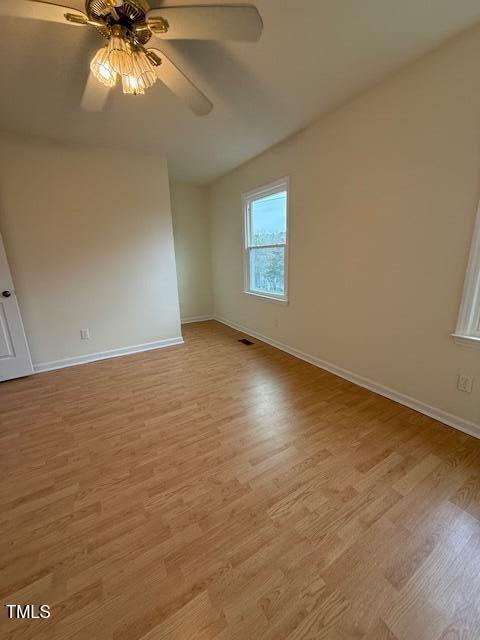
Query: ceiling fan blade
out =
(95, 95)
(207, 22)
(181, 86)
(37, 10)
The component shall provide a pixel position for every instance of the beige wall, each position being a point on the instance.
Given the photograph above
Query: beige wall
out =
(88, 235)
(192, 249)
(383, 199)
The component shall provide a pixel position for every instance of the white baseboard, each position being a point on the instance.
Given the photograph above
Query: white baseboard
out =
(196, 319)
(438, 414)
(105, 355)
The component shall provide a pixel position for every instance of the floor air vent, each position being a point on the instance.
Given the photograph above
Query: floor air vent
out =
(246, 342)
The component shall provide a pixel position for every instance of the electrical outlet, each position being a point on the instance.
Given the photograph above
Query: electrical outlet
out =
(275, 322)
(84, 334)
(465, 383)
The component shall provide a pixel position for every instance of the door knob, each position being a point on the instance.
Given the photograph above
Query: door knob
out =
(6, 294)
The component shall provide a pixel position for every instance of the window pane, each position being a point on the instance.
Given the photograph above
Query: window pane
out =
(269, 220)
(267, 270)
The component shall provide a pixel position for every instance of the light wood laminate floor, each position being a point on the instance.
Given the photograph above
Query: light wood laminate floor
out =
(219, 491)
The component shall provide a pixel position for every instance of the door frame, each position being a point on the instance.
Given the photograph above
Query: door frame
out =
(21, 328)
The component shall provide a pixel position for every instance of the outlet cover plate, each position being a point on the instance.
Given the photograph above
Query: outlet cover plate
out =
(465, 383)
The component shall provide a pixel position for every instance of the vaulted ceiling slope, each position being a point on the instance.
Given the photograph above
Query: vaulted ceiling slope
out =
(313, 55)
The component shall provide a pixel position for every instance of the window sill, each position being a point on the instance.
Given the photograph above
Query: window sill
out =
(267, 298)
(466, 341)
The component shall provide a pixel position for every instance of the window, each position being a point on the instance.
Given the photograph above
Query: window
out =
(468, 326)
(266, 241)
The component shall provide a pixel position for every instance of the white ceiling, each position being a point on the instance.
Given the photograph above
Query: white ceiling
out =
(313, 55)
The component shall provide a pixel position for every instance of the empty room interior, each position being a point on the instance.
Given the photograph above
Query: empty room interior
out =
(240, 320)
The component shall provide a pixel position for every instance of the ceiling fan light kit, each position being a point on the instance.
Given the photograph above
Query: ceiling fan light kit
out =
(128, 25)
(127, 59)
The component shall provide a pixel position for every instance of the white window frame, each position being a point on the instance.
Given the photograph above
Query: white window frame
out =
(261, 192)
(467, 331)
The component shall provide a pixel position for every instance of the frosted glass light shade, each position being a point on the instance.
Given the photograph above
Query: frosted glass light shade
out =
(143, 74)
(101, 68)
(144, 69)
(120, 55)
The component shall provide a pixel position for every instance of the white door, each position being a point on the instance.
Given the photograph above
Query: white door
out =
(15, 358)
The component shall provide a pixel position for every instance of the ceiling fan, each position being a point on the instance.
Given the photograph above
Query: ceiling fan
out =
(130, 27)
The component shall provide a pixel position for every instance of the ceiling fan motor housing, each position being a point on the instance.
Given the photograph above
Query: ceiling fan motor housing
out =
(126, 13)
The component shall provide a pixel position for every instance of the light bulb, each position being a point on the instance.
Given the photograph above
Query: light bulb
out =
(131, 85)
